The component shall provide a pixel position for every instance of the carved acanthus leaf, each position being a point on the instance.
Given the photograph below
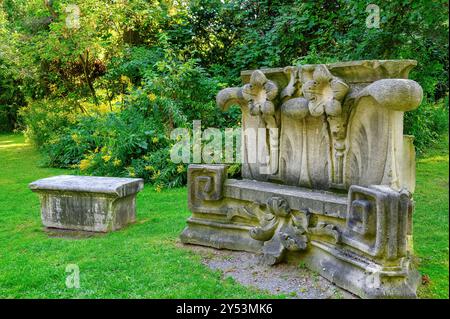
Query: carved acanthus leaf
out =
(294, 87)
(280, 229)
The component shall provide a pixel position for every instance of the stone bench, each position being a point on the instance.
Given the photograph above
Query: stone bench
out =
(87, 203)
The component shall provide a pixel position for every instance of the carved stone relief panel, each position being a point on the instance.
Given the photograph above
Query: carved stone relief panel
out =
(260, 95)
(314, 124)
(323, 127)
(377, 221)
(205, 184)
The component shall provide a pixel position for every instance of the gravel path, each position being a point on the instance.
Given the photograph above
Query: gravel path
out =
(290, 280)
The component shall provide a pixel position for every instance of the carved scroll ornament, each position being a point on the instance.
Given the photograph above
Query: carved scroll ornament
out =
(282, 229)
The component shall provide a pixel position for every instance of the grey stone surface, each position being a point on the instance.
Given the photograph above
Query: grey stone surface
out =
(299, 198)
(333, 188)
(87, 203)
(119, 187)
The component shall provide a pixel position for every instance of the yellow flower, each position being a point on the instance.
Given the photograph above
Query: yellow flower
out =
(159, 188)
(76, 138)
(117, 162)
(155, 140)
(103, 108)
(84, 164)
(96, 150)
(172, 11)
(151, 97)
(156, 174)
(148, 168)
(53, 88)
(124, 79)
(180, 169)
(131, 171)
(106, 158)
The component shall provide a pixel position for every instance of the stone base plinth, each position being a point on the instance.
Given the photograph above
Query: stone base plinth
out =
(358, 240)
(87, 203)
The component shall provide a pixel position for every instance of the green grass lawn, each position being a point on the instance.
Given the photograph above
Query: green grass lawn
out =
(431, 219)
(140, 261)
(143, 260)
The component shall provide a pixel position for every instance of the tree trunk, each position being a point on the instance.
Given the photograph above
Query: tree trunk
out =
(85, 64)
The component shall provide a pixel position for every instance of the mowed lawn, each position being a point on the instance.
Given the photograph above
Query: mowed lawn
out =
(140, 261)
(431, 219)
(144, 259)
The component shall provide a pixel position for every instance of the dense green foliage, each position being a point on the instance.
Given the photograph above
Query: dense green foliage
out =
(102, 89)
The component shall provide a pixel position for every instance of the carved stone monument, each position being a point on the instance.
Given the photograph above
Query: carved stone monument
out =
(332, 180)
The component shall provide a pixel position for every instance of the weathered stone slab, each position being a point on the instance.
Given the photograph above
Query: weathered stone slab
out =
(298, 198)
(87, 203)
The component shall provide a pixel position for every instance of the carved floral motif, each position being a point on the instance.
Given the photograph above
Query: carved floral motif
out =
(325, 92)
(259, 94)
(282, 229)
(276, 209)
(321, 95)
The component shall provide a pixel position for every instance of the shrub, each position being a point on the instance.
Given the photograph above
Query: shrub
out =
(126, 144)
(427, 123)
(46, 120)
(134, 140)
